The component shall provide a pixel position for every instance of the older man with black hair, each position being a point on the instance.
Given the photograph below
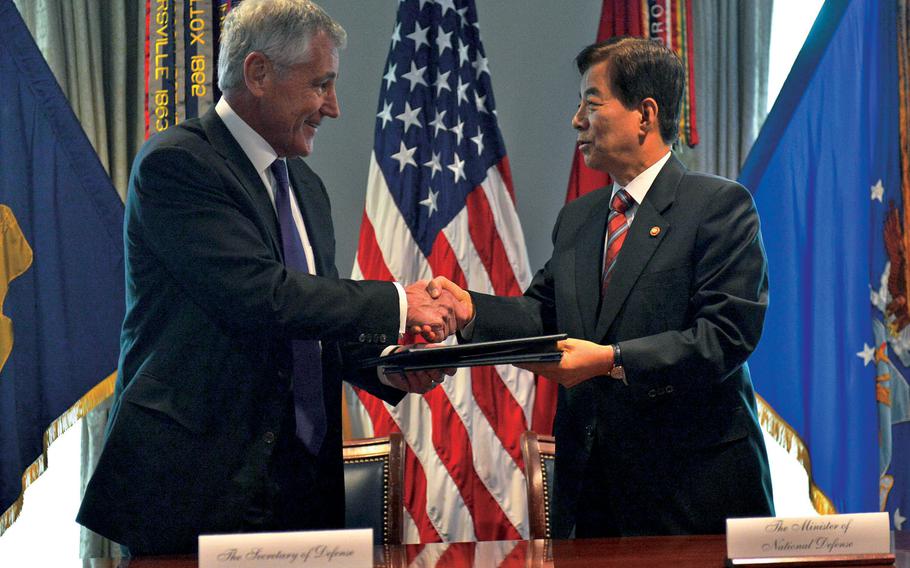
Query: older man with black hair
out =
(662, 279)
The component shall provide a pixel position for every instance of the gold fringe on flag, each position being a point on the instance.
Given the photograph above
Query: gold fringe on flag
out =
(903, 82)
(904, 118)
(786, 436)
(83, 406)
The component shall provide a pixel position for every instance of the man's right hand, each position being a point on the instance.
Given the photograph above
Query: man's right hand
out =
(464, 308)
(432, 317)
(581, 360)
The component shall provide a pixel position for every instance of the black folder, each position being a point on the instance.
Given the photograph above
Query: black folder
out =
(538, 349)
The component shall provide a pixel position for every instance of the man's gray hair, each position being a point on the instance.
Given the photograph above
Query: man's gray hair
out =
(279, 29)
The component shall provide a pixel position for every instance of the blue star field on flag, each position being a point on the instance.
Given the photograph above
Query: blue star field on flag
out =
(437, 133)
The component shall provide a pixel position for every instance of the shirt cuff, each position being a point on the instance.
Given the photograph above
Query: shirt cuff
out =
(402, 309)
(380, 370)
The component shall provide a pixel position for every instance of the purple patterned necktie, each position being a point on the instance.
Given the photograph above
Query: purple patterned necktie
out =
(309, 408)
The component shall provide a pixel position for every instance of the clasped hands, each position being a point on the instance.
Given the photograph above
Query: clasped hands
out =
(439, 307)
(435, 312)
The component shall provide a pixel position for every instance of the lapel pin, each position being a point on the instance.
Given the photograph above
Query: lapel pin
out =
(655, 231)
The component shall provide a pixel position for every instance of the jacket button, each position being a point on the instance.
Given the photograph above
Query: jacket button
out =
(268, 438)
(589, 431)
(283, 375)
(382, 338)
(362, 338)
(652, 393)
(669, 389)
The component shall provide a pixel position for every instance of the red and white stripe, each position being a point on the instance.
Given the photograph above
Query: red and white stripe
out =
(503, 554)
(464, 477)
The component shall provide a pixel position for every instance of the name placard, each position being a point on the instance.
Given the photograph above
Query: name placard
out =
(825, 536)
(313, 549)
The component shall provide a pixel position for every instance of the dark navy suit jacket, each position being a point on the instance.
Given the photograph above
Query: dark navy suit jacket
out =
(686, 303)
(204, 371)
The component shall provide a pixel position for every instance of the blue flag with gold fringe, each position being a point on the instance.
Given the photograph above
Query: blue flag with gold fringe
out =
(826, 171)
(61, 265)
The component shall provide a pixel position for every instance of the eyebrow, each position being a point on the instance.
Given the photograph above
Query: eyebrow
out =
(590, 91)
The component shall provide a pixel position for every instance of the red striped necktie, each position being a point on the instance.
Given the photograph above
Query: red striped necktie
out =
(617, 227)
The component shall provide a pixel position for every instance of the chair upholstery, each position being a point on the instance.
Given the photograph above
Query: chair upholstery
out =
(539, 453)
(373, 471)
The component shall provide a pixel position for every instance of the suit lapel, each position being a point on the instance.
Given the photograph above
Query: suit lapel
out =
(225, 144)
(640, 243)
(589, 260)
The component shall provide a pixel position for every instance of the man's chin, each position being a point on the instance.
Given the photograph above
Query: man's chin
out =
(302, 149)
(594, 162)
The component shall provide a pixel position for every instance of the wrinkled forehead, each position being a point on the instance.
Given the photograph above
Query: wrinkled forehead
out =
(322, 59)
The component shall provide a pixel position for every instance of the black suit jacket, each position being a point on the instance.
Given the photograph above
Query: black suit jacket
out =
(205, 364)
(681, 445)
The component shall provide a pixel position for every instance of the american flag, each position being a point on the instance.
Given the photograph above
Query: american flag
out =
(440, 202)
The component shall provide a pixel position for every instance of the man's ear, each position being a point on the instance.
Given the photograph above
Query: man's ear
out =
(649, 113)
(257, 71)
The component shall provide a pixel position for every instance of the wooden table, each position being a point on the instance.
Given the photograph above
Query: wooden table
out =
(672, 551)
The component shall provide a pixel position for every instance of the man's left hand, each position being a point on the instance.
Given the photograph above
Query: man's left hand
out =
(418, 382)
(581, 360)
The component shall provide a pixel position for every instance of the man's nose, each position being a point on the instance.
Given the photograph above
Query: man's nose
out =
(579, 122)
(330, 106)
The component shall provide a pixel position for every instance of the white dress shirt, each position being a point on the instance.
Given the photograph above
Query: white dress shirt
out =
(637, 188)
(261, 154)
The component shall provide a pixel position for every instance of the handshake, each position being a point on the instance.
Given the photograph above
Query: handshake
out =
(437, 308)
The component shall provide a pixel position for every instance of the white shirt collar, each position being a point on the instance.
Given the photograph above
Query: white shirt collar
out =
(260, 152)
(638, 187)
